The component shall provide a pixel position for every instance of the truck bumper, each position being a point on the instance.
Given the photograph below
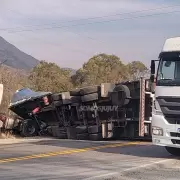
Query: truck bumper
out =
(171, 134)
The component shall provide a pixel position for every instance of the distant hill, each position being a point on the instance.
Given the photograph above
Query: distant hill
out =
(15, 57)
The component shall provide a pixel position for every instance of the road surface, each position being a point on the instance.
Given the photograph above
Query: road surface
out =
(54, 159)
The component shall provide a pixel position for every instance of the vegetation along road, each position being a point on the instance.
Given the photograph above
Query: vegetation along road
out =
(48, 158)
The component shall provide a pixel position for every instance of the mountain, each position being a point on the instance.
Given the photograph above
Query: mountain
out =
(14, 57)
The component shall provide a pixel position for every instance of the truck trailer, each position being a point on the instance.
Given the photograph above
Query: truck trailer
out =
(105, 111)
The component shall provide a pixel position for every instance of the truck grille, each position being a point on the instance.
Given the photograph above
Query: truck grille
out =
(175, 141)
(173, 134)
(170, 107)
(173, 120)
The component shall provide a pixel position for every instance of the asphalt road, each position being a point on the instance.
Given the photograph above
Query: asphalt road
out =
(53, 159)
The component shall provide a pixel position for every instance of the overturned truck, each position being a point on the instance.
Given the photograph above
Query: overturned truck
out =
(105, 111)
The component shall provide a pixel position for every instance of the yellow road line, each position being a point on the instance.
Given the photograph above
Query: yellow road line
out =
(49, 154)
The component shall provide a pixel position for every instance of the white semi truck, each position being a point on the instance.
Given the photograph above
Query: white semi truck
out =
(166, 106)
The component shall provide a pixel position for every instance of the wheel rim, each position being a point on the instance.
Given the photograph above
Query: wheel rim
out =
(31, 129)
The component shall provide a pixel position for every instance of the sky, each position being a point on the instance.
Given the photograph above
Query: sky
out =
(69, 32)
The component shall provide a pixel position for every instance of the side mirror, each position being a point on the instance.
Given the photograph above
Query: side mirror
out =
(152, 66)
(152, 78)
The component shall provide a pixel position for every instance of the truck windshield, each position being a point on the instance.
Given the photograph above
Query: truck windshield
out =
(169, 71)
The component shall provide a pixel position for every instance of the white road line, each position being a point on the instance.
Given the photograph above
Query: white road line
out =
(102, 175)
(146, 165)
(129, 169)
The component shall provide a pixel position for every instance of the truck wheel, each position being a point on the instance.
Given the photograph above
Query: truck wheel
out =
(57, 103)
(48, 108)
(71, 133)
(81, 129)
(89, 97)
(89, 90)
(59, 132)
(29, 128)
(75, 99)
(95, 137)
(56, 97)
(173, 151)
(75, 92)
(94, 129)
(84, 136)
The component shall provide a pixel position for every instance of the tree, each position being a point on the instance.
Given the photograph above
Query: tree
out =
(12, 79)
(100, 68)
(50, 77)
(136, 70)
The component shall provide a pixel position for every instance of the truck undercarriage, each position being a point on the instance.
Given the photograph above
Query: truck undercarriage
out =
(105, 111)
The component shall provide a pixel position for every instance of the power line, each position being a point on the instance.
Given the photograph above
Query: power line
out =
(97, 22)
(57, 45)
(1, 63)
(92, 18)
(91, 38)
(121, 19)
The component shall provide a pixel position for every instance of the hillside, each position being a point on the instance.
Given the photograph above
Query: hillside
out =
(15, 57)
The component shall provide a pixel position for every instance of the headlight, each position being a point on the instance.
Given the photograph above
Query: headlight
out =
(157, 131)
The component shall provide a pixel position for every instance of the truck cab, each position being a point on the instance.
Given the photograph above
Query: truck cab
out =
(166, 105)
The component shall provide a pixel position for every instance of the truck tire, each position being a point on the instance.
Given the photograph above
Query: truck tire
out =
(57, 103)
(71, 133)
(124, 98)
(94, 129)
(95, 137)
(54, 130)
(49, 130)
(75, 92)
(75, 99)
(62, 130)
(62, 136)
(29, 128)
(84, 136)
(89, 97)
(173, 151)
(81, 129)
(89, 90)
(48, 108)
(59, 132)
(56, 97)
